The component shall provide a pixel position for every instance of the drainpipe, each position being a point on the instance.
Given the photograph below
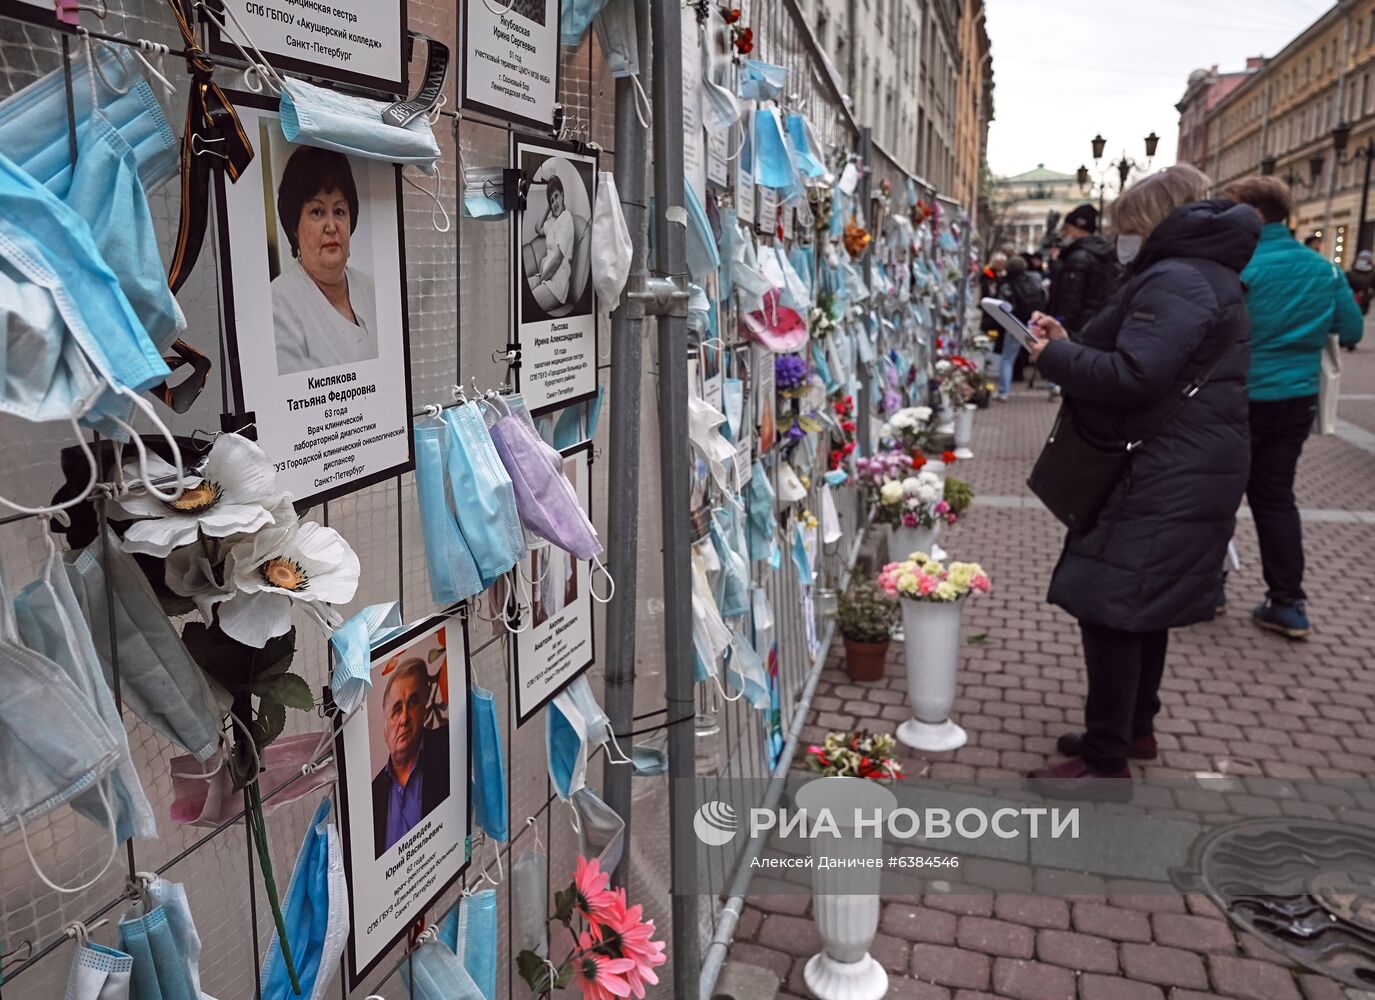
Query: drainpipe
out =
(623, 504)
(674, 485)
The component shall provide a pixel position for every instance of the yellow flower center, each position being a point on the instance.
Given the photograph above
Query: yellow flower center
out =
(197, 499)
(284, 573)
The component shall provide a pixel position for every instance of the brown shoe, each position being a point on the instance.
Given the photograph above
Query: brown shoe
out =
(1072, 745)
(1074, 779)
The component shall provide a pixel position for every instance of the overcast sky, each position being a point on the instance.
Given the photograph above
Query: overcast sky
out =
(1066, 70)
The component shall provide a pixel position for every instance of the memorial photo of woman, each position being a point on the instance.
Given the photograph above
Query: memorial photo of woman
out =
(555, 235)
(323, 308)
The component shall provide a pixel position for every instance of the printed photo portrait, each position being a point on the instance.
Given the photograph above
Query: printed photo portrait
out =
(408, 739)
(531, 10)
(556, 237)
(324, 304)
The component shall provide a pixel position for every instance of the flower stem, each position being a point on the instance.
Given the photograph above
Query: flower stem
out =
(259, 834)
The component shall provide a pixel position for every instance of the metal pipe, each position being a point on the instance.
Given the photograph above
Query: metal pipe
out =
(623, 501)
(1365, 196)
(1338, 113)
(674, 485)
(862, 422)
(719, 946)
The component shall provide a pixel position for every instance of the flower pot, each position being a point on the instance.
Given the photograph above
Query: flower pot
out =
(945, 418)
(931, 630)
(845, 898)
(902, 542)
(864, 660)
(964, 430)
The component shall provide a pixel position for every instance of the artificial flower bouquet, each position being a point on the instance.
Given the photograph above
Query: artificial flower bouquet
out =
(920, 577)
(792, 376)
(909, 429)
(823, 318)
(613, 951)
(857, 754)
(960, 381)
(915, 502)
(873, 471)
(844, 408)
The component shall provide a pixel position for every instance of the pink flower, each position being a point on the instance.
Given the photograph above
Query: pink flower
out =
(927, 584)
(629, 935)
(909, 520)
(980, 583)
(595, 900)
(600, 977)
(942, 507)
(951, 519)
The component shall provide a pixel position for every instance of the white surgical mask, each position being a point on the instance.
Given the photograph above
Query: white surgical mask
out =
(1127, 248)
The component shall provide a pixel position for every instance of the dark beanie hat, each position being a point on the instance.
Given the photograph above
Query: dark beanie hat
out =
(1084, 217)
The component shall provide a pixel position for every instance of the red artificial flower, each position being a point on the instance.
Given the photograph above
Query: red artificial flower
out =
(918, 460)
(730, 14)
(849, 447)
(744, 41)
(599, 976)
(948, 457)
(594, 898)
(848, 426)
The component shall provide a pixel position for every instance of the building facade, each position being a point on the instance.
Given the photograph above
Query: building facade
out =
(1021, 205)
(1281, 116)
(912, 68)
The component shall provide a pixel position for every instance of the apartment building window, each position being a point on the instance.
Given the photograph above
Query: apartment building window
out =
(1365, 94)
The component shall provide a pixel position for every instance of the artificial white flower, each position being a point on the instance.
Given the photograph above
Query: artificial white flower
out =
(911, 484)
(238, 487)
(922, 413)
(891, 492)
(306, 565)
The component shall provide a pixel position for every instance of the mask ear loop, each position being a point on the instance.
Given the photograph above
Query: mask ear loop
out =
(434, 197)
(531, 821)
(513, 593)
(94, 68)
(597, 564)
(643, 109)
(159, 51)
(167, 435)
(259, 70)
(114, 848)
(257, 760)
(611, 741)
(501, 872)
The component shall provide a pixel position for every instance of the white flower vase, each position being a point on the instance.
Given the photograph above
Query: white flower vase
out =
(964, 431)
(932, 633)
(945, 417)
(904, 541)
(845, 898)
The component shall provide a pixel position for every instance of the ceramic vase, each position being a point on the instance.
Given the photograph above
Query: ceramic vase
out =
(964, 431)
(931, 633)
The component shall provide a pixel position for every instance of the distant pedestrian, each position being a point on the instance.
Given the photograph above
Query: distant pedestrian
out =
(1151, 560)
(1361, 278)
(1021, 287)
(1313, 243)
(1085, 274)
(1296, 302)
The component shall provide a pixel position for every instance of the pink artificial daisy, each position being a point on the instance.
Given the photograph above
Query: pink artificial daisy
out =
(595, 900)
(628, 934)
(599, 976)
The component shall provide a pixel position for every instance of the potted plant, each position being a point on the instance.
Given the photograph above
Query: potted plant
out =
(866, 617)
(931, 595)
(958, 495)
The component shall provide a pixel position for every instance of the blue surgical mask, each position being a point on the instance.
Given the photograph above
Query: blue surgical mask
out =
(762, 521)
(808, 158)
(488, 765)
(801, 560)
(745, 673)
(54, 746)
(51, 623)
(565, 743)
(773, 165)
(760, 81)
(315, 913)
(576, 17)
(434, 972)
(99, 973)
(159, 681)
(822, 367)
(733, 402)
(470, 930)
(486, 498)
(162, 967)
(803, 261)
(711, 637)
(702, 256)
(352, 643)
(452, 571)
(733, 580)
(316, 116)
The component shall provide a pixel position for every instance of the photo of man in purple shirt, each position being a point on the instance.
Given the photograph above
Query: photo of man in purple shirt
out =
(415, 778)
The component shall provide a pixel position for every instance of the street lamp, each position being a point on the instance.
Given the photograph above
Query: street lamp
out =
(1267, 166)
(1123, 166)
(1341, 135)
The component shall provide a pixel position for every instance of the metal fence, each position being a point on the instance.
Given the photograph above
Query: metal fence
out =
(456, 324)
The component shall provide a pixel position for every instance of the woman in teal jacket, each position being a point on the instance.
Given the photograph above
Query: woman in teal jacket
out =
(1297, 299)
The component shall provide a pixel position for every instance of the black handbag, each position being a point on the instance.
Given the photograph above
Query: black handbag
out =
(1075, 474)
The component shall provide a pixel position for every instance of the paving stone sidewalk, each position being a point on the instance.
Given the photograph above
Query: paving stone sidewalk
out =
(1236, 700)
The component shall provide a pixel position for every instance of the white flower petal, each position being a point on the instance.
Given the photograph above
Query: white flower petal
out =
(332, 564)
(160, 535)
(144, 504)
(234, 518)
(188, 572)
(242, 469)
(252, 619)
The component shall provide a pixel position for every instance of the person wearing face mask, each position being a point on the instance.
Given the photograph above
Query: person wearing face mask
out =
(324, 310)
(1085, 274)
(1298, 300)
(1161, 367)
(415, 778)
(1361, 278)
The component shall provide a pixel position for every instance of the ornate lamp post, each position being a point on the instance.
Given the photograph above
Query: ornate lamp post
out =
(1341, 135)
(1124, 167)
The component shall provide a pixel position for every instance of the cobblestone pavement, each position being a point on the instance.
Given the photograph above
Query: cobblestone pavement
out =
(1236, 699)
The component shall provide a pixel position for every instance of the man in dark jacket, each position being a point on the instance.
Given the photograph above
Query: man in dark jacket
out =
(1152, 559)
(1085, 274)
(415, 778)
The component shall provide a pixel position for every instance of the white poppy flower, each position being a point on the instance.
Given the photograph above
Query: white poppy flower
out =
(922, 413)
(307, 565)
(238, 487)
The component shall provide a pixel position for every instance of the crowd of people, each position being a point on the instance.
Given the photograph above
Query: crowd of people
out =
(1189, 351)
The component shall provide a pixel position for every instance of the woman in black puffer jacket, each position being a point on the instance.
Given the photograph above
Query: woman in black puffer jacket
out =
(1153, 560)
